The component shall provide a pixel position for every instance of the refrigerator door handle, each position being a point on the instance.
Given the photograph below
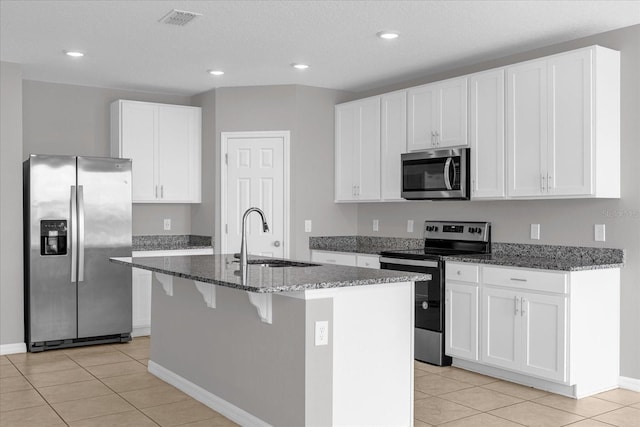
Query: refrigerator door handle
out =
(74, 236)
(80, 233)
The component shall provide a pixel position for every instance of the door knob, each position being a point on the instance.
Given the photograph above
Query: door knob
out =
(276, 243)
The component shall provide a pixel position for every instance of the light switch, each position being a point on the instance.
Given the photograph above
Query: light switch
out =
(599, 233)
(535, 231)
(307, 226)
(167, 224)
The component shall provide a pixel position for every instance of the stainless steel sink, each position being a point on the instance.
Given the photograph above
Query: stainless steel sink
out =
(276, 263)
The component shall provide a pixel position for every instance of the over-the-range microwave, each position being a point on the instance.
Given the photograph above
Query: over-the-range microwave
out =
(441, 174)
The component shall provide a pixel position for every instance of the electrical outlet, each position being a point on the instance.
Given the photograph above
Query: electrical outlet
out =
(376, 225)
(307, 226)
(167, 224)
(322, 332)
(599, 233)
(409, 226)
(535, 231)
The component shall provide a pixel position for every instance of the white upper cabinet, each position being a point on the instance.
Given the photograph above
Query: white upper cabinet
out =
(563, 133)
(358, 150)
(164, 143)
(437, 115)
(486, 134)
(393, 142)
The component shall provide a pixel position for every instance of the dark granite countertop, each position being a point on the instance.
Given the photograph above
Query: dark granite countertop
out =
(363, 244)
(170, 242)
(223, 270)
(542, 263)
(543, 257)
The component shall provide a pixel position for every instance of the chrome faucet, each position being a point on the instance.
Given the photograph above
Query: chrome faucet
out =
(243, 247)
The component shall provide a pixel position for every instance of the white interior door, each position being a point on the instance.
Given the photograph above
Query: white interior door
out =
(255, 177)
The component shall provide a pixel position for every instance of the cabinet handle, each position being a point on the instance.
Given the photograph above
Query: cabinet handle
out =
(515, 306)
(549, 182)
(459, 272)
(162, 191)
(437, 139)
(541, 183)
(433, 139)
(522, 304)
(515, 279)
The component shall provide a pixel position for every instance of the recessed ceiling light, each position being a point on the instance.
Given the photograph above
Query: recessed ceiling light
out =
(73, 53)
(216, 72)
(300, 66)
(388, 35)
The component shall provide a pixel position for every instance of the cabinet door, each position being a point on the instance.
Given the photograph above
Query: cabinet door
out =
(421, 124)
(487, 134)
(569, 160)
(347, 139)
(452, 113)
(175, 156)
(461, 325)
(137, 140)
(334, 258)
(527, 128)
(141, 301)
(368, 159)
(544, 335)
(500, 328)
(393, 140)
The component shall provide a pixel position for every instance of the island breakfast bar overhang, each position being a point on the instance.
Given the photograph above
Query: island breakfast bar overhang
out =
(246, 346)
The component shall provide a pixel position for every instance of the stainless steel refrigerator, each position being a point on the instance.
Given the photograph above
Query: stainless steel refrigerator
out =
(77, 214)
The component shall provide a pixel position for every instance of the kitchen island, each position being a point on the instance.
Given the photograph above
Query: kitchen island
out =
(309, 344)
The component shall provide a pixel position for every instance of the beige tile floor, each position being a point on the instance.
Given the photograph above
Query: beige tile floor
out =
(108, 385)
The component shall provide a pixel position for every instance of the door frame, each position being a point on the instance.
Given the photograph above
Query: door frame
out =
(224, 139)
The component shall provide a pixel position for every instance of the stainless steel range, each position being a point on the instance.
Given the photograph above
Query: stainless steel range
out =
(441, 238)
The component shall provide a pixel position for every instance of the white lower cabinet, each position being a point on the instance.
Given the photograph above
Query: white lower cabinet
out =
(525, 332)
(141, 289)
(535, 327)
(141, 302)
(344, 258)
(461, 308)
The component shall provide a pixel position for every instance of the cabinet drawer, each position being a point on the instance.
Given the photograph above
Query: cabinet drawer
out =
(368, 261)
(334, 258)
(544, 281)
(462, 272)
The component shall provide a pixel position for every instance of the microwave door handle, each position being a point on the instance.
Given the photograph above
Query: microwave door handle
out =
(447, 168)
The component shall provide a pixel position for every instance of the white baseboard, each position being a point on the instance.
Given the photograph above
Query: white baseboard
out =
(214, 402)
(19, 347)
(629, 383)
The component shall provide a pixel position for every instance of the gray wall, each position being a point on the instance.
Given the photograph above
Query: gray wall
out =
(11, 273)
(67, 119)
(203, 215)
(308, 113)
(262, 368)
(563, 222)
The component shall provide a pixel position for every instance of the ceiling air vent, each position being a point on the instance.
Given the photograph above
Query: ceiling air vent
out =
(179, 17)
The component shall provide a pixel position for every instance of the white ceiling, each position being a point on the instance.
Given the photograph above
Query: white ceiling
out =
(255, 42)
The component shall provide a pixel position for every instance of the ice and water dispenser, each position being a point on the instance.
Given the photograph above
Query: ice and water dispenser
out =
(53, 237)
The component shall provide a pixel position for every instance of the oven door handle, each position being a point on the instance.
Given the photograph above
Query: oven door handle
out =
(447, 169)
(412, 262)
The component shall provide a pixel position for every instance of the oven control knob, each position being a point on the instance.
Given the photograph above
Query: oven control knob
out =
(470, 229)
(435, 228)
(425, 305)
